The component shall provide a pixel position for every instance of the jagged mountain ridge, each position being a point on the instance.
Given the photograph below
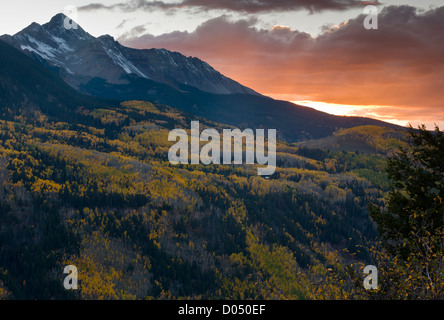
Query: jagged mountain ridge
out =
(80, 57)
(101, 67)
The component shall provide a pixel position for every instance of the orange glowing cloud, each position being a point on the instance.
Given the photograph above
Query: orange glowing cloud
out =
(401, 64)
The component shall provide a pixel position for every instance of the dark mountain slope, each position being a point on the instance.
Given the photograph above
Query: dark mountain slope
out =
(26, 85)
(293, 122)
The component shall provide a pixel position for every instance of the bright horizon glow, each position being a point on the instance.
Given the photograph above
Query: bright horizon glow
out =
(368, 111)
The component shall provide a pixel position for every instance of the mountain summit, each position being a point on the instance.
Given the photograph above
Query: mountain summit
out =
(79, 57)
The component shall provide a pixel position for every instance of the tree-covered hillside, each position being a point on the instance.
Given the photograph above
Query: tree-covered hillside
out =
(100, 194)
(362, 139)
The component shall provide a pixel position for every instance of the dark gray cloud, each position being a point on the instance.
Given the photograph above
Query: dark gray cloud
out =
(247, 6)
(255, 6)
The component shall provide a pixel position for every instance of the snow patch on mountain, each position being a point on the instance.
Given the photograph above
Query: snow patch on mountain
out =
(42, 48)
(63, 45)
(120, 60)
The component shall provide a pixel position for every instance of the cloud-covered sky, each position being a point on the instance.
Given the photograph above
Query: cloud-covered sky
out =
(298, 50)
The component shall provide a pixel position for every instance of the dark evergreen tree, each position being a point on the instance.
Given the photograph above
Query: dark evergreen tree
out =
(415, 207)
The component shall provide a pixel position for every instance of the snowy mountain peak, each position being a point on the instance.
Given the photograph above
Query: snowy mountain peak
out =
(58, 19)
(63, 23)
(62, 26)
(80, 57)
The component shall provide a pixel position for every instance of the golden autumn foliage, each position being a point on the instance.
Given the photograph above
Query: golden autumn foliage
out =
(101, 195)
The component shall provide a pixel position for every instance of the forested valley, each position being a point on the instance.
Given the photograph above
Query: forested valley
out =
(99, 193)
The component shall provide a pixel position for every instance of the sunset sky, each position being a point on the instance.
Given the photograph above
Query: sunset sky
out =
(314, 52)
